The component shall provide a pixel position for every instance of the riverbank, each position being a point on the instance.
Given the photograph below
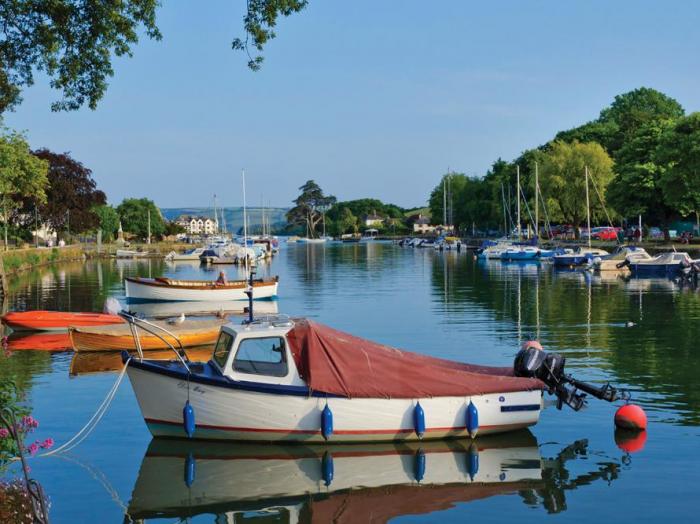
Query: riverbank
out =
(18, 260)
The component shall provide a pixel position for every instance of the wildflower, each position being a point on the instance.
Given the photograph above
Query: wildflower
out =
(30, 422)
(33, 448)
(47, 443)
(4, 433)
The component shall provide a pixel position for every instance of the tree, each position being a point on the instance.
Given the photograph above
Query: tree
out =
(632, 110)
(134, 215)
(562, 179)
(346, 222)
(451, 184)
(22, 174)
(72, 194)
(108, 221)
(636, 188)
(679, 153)
(74, 42)
(310, 206)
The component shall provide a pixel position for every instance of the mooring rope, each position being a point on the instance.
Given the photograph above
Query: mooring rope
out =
(92, 423)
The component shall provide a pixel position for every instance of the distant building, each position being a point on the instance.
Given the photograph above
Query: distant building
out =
(373, 219)
(198, 225)
(421, 225)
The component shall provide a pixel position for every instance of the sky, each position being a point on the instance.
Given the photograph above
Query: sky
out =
(368, 98)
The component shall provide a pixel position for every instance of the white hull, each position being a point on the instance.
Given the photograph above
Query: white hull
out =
(126, 253)
(175, 309)
(136, 291)
(230, 413)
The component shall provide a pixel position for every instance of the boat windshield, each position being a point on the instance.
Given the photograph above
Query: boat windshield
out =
(222, 348)
(261, 356)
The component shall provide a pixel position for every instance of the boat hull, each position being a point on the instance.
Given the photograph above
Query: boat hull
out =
(655, 270)
(118, 338)
(140, 290)
(56, 320)
(229, 410)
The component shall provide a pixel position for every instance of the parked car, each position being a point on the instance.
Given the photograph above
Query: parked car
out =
(604, 233)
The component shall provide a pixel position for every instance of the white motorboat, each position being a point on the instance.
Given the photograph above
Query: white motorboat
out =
(187, 256)
(130, 253)
(173, 290)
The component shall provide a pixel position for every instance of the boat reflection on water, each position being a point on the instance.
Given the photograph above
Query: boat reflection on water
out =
(173, 309)
(353, 483)
(84, 363)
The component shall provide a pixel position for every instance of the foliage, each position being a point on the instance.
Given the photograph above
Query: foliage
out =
(679, 153)
(173, 228)
(108, 221)
(21, 173)
(72, 41)
(260, 19)
(134, 213)
(72, 194)
(309, 207)
(345, 223)
(562, 179)
(15, 502)
(636, 188)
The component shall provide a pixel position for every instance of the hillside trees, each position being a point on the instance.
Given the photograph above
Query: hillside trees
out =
(309, 207)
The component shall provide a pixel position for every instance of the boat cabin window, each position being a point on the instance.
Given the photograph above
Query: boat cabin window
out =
(261, 356)
(222, 348)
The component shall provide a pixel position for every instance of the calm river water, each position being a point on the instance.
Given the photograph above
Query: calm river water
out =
(442, 304)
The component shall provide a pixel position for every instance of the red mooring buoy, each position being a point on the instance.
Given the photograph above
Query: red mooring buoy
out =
(631, 417)
(630, 441)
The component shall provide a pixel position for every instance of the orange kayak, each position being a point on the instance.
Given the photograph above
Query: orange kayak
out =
(56, 320)
(39, 342)
(117, 338)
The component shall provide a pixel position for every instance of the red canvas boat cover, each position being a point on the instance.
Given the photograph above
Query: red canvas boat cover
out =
(341, 364)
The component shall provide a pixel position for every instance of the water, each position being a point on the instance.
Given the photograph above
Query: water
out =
(443, 304)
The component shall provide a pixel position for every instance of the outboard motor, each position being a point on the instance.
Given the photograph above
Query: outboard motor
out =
(533, 362)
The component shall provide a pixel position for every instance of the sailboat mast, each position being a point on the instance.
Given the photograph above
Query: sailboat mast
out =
(245, 228)
(444, 200)
(149, 226)
(518, 197)
(588, 210)
(537, 203)
(505, 212)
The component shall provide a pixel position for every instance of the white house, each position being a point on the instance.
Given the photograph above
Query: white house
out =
(198, 225)
(373, 220)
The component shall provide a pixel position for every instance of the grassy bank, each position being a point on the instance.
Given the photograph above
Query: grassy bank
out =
(17, 260)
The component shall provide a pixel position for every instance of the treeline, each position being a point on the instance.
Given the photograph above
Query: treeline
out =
(53, 192)
(643, 158)
(314, 212)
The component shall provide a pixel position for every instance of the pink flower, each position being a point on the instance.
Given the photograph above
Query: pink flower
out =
(29, 422)
(4, 433)
(47, 443)
(33, 448)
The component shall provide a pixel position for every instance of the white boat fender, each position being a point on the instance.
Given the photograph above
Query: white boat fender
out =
(326, 422)
(327, 468)
(419, 465)
(190, 467)
(419, 420)
(473, 461)
(472, 419)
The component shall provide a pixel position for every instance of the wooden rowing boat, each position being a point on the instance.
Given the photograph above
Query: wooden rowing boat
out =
(117, 338)
(173, 290)
(56, 320)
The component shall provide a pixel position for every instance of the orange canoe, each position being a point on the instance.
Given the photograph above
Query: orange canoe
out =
(117, 338)
(39, 342)
(56, 320)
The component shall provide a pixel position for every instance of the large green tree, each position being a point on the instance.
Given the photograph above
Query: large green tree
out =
(22, 174)
(134, 214)
(74, 41)
(679, 153)
(562, 179)
(309, 207)
(108, 221)
(636, 188)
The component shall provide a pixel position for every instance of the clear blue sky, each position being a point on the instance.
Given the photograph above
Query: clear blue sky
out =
(369, 98)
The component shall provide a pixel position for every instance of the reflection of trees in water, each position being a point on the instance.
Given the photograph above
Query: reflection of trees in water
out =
(76, 286)
(584, 316)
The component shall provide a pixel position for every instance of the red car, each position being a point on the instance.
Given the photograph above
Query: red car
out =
(604, 233)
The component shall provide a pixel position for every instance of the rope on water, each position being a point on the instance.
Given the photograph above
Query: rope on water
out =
(92, 423)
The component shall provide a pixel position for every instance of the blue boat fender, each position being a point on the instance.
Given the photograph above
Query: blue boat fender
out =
(472, 421)
(327, 469)
(188, 423)
(326, 422)
(419, 420)
(190, 466)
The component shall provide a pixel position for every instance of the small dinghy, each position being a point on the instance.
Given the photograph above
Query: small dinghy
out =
(56, 320)
(277, 379)
(173, 290)
(189, 333)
